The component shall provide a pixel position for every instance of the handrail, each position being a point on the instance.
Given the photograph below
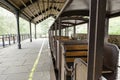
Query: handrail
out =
(8, 39)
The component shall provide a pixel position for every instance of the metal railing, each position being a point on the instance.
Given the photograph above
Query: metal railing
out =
(9, 39)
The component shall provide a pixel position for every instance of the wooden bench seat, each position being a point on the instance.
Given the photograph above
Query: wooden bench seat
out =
(75, 51)
(110, 61)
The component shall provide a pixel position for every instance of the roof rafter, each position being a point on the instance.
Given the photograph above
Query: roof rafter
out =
(40, 13)
(29, 10)
(43, 19)
(27, 4)
(13, 8)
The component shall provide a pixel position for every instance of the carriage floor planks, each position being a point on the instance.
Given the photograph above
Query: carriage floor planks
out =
(16, 64)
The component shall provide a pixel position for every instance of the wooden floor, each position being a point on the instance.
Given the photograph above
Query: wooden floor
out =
(32, 62)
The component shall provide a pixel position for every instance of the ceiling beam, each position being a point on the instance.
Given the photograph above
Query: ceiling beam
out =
(75, 18)
(28, 9)
(40, 13)
(43, 19)
(44, 11)
(27, 4)
(56, 8)
(113, 15)
(13, 8)
(68, 23)
(8, 4)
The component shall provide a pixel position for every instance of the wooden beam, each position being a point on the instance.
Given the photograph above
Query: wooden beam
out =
(29, 10)
(40, 13)
(68, 23)
(8, 4)
(43, 19)
(113, 15)
(56, 8)
(75, 13)
(13, 8)
(75, 18)
(27, 4)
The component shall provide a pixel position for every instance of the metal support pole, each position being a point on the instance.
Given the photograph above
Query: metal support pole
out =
(106, 29)
(65, 31)
(74, 28)
(35, 32)
(18, 30)
(3, 40)
(55, 30)
(91, 39)
(59, 26)
(13, 39)
(9, 39)
(30, 32)
(96, 38)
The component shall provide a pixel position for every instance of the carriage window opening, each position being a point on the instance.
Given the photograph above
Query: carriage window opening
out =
(70, 29)
(63, 32)
(114, 26)
(81, 29)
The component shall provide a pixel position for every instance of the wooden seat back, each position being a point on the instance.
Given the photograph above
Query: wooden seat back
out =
(110, 60)
(69, 51)
(80, 70)
(75, 51)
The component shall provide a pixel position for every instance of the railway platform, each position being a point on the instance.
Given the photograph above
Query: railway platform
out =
(32, 62)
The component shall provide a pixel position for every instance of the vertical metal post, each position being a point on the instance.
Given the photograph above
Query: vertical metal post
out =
(30, 32)
(91, 39)
(18, 30)
(65, 31)
(35, 32)
(96, 38)
(13, 39)
(56, 29)
(99, 38)
(3, 40)
(88, 30)
(74, 29)
(106, 29)
(9, 39)
(59, 26)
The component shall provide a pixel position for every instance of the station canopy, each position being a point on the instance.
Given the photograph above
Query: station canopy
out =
(34, 10)
(38, 10)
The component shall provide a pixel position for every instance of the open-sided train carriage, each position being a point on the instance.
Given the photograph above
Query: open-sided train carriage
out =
(99, 59)
(93, 58)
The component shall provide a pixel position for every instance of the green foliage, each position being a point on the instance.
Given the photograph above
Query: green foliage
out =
(81, 28)
(114, 26)
(42, 28)
(8, 24)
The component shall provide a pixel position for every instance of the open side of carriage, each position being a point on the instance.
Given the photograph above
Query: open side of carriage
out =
(93, 58)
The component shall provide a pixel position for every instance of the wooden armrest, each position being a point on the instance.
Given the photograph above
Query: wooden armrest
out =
(68, 69)
(106, 70)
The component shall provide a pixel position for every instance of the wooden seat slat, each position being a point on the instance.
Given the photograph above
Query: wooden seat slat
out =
(76, 53)
(72, 59)
(76, 47)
